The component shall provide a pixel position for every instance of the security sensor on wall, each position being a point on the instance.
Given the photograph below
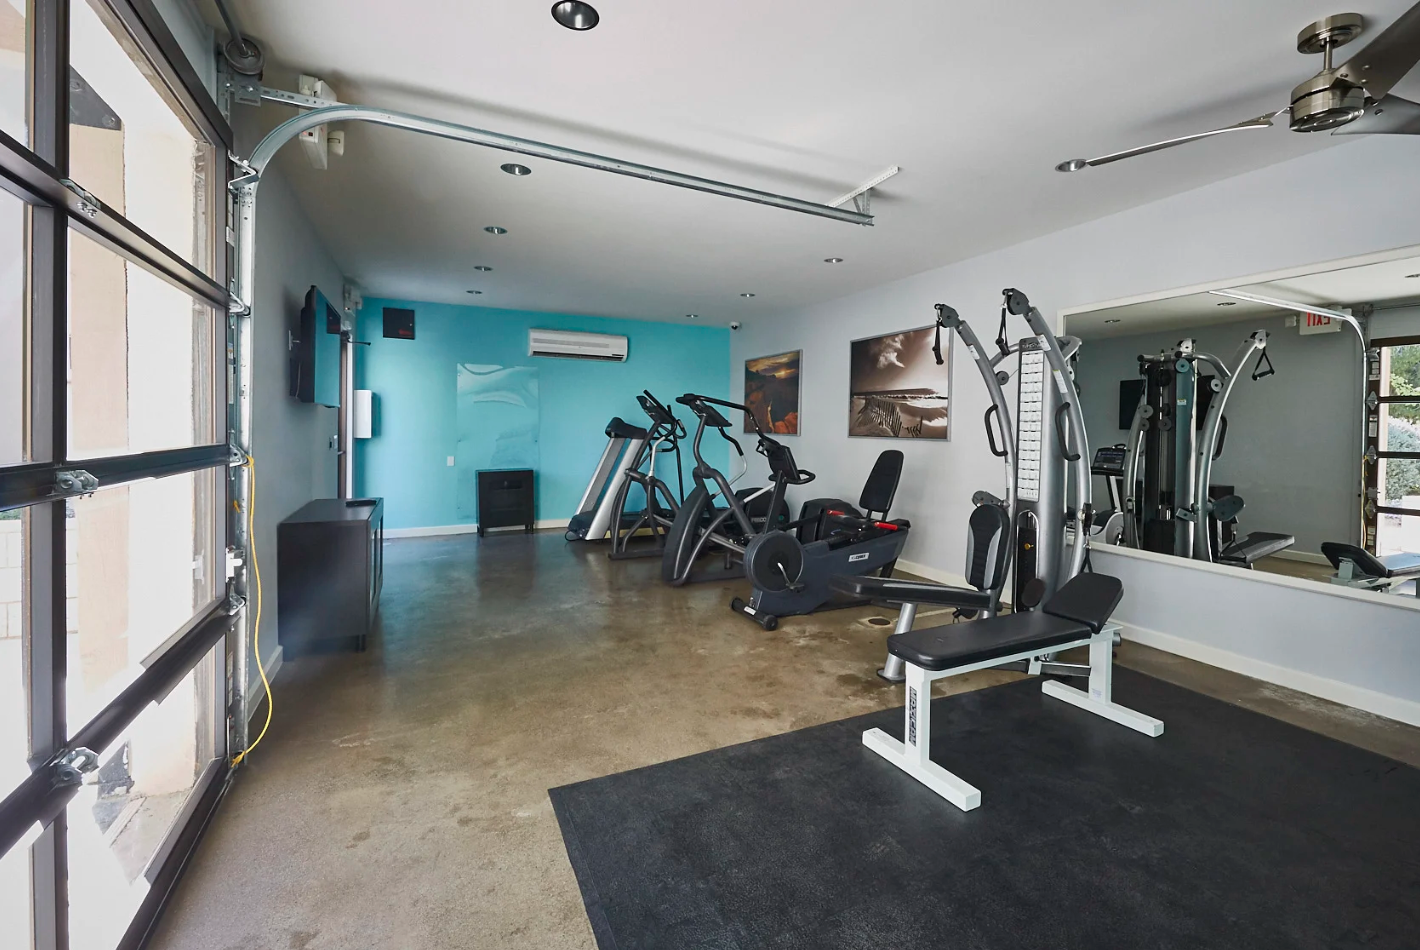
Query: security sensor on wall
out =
(734, 324)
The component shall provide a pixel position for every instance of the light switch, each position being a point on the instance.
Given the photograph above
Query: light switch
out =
(451, 461)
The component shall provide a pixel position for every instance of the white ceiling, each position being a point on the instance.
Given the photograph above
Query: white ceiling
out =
(1385, 284)
(976, 103)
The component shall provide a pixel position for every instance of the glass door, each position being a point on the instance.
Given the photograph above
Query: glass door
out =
(1393, 488)
(113, 463)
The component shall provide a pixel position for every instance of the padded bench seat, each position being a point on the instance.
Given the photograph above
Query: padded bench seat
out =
(891, 590)
(1255, 547)
(943, 648)
(1390, 566)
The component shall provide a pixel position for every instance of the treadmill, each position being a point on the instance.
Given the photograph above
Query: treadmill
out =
(592, 521)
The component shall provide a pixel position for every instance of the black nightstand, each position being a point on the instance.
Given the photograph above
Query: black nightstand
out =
(505, 498)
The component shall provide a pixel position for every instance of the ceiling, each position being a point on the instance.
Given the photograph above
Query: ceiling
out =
(1385, 285)
(975, 103)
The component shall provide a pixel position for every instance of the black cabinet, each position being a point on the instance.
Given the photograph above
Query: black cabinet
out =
(505, 497)
(330, 564)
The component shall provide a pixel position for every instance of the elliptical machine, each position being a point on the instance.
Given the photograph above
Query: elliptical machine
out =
(662, 505)
(700, 525)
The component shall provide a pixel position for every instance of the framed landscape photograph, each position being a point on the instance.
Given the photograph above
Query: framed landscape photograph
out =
(897, 390)
(772, 392)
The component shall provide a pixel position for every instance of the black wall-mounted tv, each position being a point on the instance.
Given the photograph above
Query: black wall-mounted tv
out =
(315, 352)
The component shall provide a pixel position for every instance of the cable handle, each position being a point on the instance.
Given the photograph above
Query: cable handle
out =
(1258, 372)
(1000, 453)
(1060, 411)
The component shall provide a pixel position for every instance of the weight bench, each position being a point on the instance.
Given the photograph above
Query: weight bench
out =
(1075, 616)
(1357, 567)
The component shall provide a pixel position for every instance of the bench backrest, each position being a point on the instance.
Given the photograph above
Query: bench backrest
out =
(986, 538)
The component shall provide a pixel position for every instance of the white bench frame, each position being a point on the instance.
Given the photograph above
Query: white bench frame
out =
(914, 756)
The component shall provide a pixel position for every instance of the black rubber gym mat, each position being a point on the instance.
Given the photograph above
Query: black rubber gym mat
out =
(1230, 830)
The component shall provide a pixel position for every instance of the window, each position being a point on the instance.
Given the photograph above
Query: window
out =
(16, 895)
(1396, 436)
(122, 817)
(140, 358)
(14, 69)
(130, 144)
(14, 708)
(117, 382)
(14, 692)
(14, 335)
(140, 565)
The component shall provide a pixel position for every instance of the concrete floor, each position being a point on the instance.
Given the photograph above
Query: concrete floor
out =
(400, 800)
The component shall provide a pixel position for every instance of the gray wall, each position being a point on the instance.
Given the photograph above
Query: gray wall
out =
(291, 441)
(1290, 451)
(1226, 231)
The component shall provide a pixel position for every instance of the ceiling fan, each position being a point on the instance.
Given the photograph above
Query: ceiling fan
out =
(1351, 99)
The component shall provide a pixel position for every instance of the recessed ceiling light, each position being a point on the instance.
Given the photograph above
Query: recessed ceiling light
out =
(515, 169)
(1073, 165)
(746, 295)
(482, 267)
(575, 15)
(692, 316)
(833, 260)
(1227, 303)
(473, 291)
(1112, 320)
(494, 229)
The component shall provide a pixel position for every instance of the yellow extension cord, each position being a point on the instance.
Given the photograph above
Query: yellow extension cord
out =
(256, 626)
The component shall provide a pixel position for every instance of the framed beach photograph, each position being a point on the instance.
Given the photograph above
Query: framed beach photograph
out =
(897, 390)
(772, 392)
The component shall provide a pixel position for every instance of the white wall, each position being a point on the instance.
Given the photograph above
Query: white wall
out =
(1290, 451)
(291, 440)
(1244, 226)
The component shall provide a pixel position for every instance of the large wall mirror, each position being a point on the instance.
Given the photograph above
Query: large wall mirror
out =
(1272, 426)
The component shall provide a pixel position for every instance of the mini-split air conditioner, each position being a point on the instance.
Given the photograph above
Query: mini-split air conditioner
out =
(567, 345)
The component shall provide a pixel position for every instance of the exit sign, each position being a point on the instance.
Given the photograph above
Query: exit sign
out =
(1316, 323)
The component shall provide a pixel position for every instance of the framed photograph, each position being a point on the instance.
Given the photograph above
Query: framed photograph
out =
(897, 390)
(772, 392)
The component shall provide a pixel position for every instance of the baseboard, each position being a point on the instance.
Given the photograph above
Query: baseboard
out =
(1357, 697)
(1308, 557)
(256, 693)
(438, 531)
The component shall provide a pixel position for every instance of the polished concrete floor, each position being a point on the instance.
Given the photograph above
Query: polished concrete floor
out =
(400, 800)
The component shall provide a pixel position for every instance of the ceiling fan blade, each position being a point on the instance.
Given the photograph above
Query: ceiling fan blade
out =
(1261, 122)
(1387, 58)
(1392, 115)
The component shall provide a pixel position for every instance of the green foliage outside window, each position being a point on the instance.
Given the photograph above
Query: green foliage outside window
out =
(1402, 476)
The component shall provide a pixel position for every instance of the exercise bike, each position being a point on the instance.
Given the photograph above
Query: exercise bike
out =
(662, 505)
(792, 574)
(700, 526)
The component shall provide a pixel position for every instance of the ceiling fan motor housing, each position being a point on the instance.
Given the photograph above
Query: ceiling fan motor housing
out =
(1326, 101)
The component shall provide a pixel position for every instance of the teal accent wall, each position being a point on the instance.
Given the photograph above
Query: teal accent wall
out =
(406, 462)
